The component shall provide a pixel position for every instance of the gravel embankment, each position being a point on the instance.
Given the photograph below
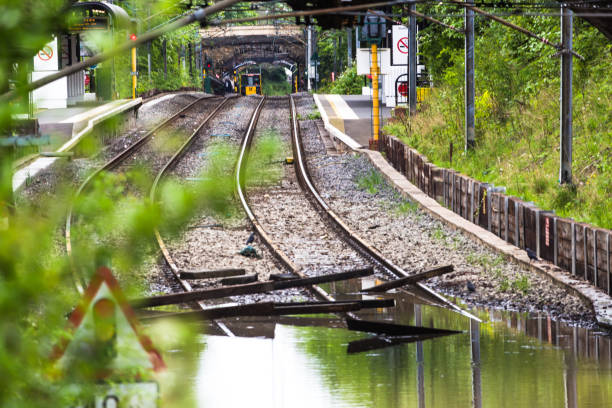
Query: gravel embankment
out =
(214, 241)
(286, 214)
(414, 240)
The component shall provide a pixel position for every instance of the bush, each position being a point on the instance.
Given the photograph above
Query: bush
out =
(517, 119)
(349, 83)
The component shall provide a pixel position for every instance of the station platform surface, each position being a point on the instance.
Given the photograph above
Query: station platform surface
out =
(350, 115)
(66, 127)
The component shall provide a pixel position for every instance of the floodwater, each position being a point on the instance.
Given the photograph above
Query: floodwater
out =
(508, 360)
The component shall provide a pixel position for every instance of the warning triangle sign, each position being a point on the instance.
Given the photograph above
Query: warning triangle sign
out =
(105, 335)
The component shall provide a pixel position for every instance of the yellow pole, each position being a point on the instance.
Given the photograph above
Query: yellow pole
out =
(374, 71)
(296, 78)
(133, 72)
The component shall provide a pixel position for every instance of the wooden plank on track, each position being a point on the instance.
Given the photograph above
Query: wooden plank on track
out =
(246, 289)
(408, 280)
(215, 273)
(235, 280)
(333, 307)
(365, 304)
(253, 309)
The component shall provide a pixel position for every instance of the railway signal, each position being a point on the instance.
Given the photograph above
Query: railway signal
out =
(208, 68)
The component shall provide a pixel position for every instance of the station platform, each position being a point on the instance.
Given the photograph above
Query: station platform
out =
(350, 115)
(66, 127)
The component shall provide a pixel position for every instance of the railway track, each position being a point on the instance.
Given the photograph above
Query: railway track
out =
(119, 159)
(308, 188)
(351, 237)
(176, 271)
(306, 185)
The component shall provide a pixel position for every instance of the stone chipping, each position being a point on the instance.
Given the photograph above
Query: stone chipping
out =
(414, 240)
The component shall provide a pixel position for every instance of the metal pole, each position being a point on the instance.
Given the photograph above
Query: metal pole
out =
(309, 57)
(149, 60)
(420, 359)
(335, 57)
(190, 52)
(316, 63)
(349, 48)
(134, 73)
(565, 169)
(374, 71)
(412, 63)
(476, 380)
(165, 51)
(470, 126)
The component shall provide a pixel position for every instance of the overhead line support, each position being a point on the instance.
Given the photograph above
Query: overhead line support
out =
(470, 120)
(565, 167)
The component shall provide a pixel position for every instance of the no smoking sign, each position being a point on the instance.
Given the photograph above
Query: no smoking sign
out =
(46, 53)
(402, 45)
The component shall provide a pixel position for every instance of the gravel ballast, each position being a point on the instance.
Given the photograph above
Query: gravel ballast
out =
(414, 240)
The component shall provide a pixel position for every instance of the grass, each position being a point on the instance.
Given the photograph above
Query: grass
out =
(371, 181)
(521, 284)
(518, 147)
(438, 234)
(314, 115)
(407, 207)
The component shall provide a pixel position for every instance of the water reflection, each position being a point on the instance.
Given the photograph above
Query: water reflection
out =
(509, 360)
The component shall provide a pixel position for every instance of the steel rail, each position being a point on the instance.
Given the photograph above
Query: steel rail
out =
(240, 191)
(152, 194)
(351, 236)
(112, 163)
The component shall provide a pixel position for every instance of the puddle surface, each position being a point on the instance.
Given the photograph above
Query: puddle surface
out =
(509, 360)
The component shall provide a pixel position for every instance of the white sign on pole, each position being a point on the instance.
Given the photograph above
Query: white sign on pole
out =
(400, 45)
(364, 61)
(47, 59)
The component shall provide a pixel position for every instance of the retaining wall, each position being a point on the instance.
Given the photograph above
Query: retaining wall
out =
(581, 249)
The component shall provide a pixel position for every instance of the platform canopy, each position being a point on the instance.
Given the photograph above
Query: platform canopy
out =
(597, 13)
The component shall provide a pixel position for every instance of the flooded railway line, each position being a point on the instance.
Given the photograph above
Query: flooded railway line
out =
(533, 335)
(355, 269)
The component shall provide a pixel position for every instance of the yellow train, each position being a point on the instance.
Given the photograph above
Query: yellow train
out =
(250, 84)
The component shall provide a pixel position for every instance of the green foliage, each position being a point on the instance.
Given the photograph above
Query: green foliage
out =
(407, 207)
(521, 284)
(349, 83)
(262, 168)
(331, 48)
(517, 115)
(314, 115)
(438, 234)
(370, 181)
(274, 81)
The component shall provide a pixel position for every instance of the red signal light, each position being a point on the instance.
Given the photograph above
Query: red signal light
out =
(133, 37)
